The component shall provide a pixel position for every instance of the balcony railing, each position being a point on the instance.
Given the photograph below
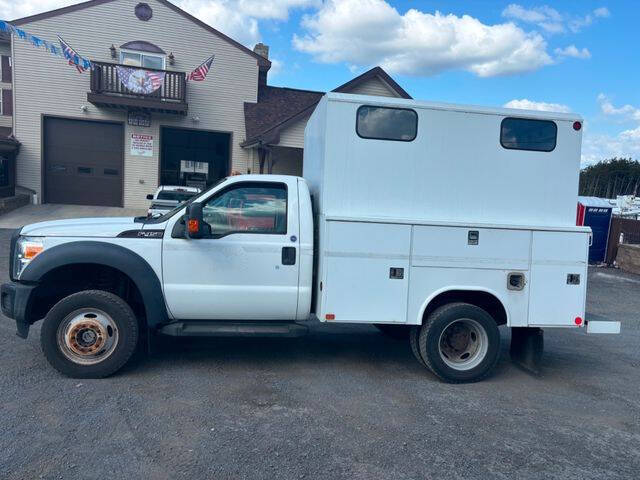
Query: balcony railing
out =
(107, 89)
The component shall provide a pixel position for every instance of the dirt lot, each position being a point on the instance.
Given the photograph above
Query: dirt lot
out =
(343, 402)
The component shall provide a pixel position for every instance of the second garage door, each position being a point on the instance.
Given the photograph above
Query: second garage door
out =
(83, 162)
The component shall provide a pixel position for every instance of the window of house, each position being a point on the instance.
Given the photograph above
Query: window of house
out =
(528, 134)
(385, 123)
(142, 59)
(1, 104)
(248, 208)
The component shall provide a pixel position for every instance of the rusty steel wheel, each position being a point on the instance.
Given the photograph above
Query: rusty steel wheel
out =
(87, 336)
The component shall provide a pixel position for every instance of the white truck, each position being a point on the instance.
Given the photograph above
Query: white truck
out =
(440, 222)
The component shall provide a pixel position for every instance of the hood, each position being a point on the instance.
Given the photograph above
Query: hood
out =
(82, 227)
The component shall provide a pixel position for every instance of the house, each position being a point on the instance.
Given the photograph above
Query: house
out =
(8, 145)
(106, 137)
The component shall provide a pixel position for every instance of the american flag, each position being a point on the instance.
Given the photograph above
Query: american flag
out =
(199, 74)
(71, 55)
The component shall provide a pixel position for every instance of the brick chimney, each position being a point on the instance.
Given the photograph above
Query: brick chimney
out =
(262, 50)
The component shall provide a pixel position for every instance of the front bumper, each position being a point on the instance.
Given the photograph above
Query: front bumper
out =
(14, 300)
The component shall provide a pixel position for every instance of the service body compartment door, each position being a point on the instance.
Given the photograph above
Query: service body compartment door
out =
(366, 274)
(558, 278)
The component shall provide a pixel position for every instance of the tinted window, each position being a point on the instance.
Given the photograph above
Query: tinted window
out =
(525, 134)
(248, 209)
(174, 195)
(387, 123)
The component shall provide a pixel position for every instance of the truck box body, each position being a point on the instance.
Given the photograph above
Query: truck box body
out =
(400, 222)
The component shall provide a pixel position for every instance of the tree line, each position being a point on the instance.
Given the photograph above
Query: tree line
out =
(607, 179)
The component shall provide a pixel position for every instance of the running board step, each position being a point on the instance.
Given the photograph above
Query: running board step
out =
(234, 329)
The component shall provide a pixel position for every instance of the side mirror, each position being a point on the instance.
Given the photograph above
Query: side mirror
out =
(195, 225)
(150, 196)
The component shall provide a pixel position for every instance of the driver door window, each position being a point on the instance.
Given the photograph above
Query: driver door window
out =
(248, 209)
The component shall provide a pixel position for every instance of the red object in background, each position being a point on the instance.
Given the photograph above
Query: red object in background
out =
(580, 215)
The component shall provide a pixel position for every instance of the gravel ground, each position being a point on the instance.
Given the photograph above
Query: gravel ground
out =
(343, 402)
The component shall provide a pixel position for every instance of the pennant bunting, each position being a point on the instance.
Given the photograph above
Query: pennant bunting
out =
(200, 73)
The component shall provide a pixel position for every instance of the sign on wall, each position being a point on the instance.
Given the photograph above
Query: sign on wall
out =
(141, 145)
(138, 119)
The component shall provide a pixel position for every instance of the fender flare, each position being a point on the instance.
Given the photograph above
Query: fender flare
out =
(110, 255)
(466, 288)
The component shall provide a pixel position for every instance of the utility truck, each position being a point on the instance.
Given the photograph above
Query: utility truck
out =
(441, 222)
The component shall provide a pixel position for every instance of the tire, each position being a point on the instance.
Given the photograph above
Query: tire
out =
(398, 332)
(414, 336)
(460, 343)
(89, 334)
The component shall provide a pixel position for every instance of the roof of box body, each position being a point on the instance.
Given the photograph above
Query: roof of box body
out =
(263, 63)
(279, 107)
(454, 107)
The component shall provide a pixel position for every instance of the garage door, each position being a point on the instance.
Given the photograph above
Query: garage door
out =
(83, 162)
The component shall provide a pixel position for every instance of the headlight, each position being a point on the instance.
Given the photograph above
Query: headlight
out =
(27, 248)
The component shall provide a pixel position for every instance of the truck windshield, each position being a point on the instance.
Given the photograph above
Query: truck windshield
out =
(175, 195)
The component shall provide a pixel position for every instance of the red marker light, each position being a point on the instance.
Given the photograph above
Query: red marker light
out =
(330, 316)
(578, 321)
(577, 126)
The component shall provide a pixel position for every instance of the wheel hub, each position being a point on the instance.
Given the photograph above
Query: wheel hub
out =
(87, 336)
(463, 344)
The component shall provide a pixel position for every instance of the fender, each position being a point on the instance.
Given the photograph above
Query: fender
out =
(108, 254)
(467, 288)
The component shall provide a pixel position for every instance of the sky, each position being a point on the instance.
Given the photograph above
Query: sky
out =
(572, 56)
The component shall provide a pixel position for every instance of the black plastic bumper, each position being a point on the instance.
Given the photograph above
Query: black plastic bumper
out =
(14, 300)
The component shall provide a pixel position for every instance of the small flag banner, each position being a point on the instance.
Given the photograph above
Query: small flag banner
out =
(79, 62)
(140, 81)
(200, 73)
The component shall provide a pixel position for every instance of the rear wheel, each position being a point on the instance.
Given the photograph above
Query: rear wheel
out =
(90, 334)
(459, 342)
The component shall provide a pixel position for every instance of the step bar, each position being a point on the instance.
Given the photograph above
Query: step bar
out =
(226, 328)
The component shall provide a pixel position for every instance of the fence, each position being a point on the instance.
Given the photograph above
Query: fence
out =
(623, 230)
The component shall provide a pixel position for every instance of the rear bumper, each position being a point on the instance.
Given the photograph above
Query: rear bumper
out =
(599, 324)
(14, 300)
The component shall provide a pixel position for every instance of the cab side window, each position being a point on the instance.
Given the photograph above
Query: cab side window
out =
(248, 208)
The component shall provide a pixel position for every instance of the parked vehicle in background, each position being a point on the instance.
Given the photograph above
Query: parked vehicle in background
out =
(439, 221)
(168, 197)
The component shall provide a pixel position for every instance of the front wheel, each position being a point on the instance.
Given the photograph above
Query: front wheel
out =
(89, 334)
(460, 342)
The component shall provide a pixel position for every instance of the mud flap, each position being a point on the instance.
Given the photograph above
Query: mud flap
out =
(527, 344)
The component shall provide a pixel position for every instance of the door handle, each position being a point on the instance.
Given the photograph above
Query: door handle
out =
(288, 255)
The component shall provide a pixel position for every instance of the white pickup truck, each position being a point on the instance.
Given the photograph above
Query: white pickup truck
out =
(411, 216)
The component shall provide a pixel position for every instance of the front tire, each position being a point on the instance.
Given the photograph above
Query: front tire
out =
(460, 342)
(89, 334)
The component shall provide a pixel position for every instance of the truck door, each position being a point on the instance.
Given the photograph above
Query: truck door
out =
(248, 268)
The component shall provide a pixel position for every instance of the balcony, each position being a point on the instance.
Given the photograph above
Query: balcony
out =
(108, 90)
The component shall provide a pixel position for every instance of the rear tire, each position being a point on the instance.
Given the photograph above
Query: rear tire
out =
(414, 336)
(89, 334)
(460, 342)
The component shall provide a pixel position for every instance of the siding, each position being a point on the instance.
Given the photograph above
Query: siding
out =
(5, 121)
(293, 136)
(45, 85)
(375, 86)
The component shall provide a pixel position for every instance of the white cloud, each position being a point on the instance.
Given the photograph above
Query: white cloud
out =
(237, 18)
(362, 33)
(526, 104)
(573, 51)
(598, 147)
(547, 18)
(625, 111)
(276, 67)
(552, 21)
